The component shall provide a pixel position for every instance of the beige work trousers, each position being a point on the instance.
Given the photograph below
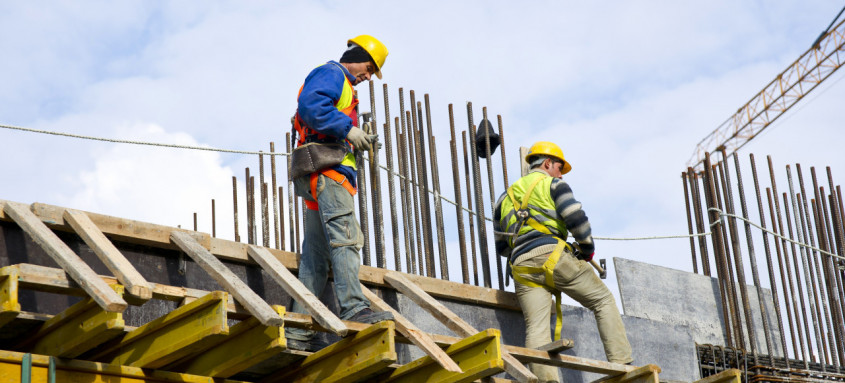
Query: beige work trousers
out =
(576, 279)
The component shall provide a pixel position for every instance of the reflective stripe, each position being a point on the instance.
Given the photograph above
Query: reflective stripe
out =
(531, 194)
(335, 176)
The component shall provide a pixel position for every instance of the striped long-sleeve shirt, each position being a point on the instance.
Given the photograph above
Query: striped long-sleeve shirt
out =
(568, 210)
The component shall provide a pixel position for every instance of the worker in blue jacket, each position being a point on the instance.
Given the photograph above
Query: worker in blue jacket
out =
(327, 115)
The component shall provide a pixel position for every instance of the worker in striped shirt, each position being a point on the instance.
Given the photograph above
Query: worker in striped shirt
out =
(532, 221)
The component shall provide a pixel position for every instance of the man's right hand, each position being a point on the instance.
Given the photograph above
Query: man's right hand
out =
(358, 138)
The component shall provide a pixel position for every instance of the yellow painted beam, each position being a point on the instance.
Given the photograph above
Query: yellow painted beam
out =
(69, 370)
(172, 336)
(249, 342)
(9, 305)
(78, 329)
(479, 356)
(352, 359)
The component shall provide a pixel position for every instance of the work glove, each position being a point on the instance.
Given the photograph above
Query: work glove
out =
(367, 127)
(358, 138)
(585, 257)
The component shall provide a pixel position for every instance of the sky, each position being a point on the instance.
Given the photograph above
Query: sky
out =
(626, 88)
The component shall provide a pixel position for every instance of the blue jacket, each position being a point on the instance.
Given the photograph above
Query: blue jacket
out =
(316, 105)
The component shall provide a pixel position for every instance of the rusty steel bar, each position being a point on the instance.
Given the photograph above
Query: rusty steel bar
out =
(275, 195)
(249, 210)
(391, 186)
(770, 268)
(804, 262)
(456, 182)
(488, 159)
(785, 289)
(213, 220)
(410, 189)
(809, 357)
(823, 278)
(479, 202)
(727, 264)
(839, 289)
(294, 234)
(830, 272)
(363, 214)
(407, 208)
(419, 134)
(811, 256)
(235, 206)
(282, 220)
(689, 222)
(502, 149)
(195, 221)
(692, 177)
(438, 203)
(469, 206)
(785, 261)
(716, 238)
(375, 186)
(737, 252)
(422, 189)
(418, 209)
(252, 210)
(265, 222)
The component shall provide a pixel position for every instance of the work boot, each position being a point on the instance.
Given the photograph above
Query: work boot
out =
(369, 316)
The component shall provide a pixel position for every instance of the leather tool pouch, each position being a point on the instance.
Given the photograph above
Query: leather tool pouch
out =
(312, 157)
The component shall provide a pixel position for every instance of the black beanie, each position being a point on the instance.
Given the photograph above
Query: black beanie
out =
(355, 54)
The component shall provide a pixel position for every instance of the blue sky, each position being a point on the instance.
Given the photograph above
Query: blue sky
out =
(626, 88)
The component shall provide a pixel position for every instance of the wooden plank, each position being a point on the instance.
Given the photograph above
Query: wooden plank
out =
(65, 257)
(452, 321)
(10, 307)
(69, 370)
(297, 290)
(480, 355)
(173, 336)
(728, 376)
(557, 346)
(115, 261)
(249, 343)
(644, 374)
(226, 278)
(76, 330)
(352, 359)
(412, 332)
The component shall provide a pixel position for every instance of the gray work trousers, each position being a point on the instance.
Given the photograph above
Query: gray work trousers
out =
(576, 279)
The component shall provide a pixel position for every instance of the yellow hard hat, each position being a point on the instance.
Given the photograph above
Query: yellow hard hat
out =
(375, 48)
(548, 149)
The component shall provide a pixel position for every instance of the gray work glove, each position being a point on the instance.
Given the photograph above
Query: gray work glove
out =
(367, 127)
(358, 138)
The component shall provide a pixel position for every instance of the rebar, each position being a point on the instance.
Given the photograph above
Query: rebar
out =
(469, 206)
(282, 220)
(800, 306)
(438, 206)
(456, 182)
(488, 159)
(412, 227)
(716, 238)
(363, 215)
(422, 171)
(418, 213)
(249, 222)
(785, 288)
(195, 221)
(291, 209)
(235, 207)
(502, 150)
(479, 202)
(213, 220)
(391, 188)
(689, 222)
(265, 222)
(375, 185)
(276, 201)
(834, 288)
(726, 263)
(407, 208)
(821, 265)
(692, 177)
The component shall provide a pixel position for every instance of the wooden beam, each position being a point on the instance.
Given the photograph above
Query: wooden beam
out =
(249, 343)
(173, 336)
(480, 355)
(557, 346)
(351, 359)
(728, 376)
(412, 332)
(69, 370)
(452, 321)
(115, 261)
(65, 257)
(226, 278)
(644, 374)
(297, 290)
(76, 330)
(10, 308)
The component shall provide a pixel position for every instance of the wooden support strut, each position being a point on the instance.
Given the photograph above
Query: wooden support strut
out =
(453, 321)
(644, 374)
(65, 257)
(352, 359)
(226, 278)
(412, 332)
(728, 376)
(115, 261)
(297, 290)
(480, 355)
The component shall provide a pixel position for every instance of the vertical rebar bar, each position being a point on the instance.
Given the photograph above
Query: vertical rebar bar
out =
(839, 289)
(692, 177)
(407, 208)
(282, 220)
(785, 289)
(422, 170)
(824, 286)
(391, 187)
(438, 205)
(807, 280)
(265, 223)
(469, 206)
(213, 220)
(249, 223)
(830, 274)
(235, 207)
(716, 225)
(456, 182)
(689, 222)
(800, 305)
(479, 202)
(363, 214)
(252, 210)
(489, 160)
(195, 221)
(408, 171)
(375, 186)
(291, 209)
(727, 263)
(415, 189)
(502, 149)
(770, 268)
(275, 195)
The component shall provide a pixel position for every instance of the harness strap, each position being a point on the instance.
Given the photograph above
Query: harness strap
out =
(334, 175)
(523, 213)
(548, 270)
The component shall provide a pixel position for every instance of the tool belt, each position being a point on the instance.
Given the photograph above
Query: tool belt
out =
(314, 157)
(548, 270)
(334, 175)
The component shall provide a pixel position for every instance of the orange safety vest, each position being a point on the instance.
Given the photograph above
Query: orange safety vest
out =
(350, 109)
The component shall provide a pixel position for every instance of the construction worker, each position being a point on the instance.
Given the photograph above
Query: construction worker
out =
(531, 220)
(327, 115)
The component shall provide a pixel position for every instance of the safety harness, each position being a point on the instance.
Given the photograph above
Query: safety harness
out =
(524, 216)
(337, 177)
